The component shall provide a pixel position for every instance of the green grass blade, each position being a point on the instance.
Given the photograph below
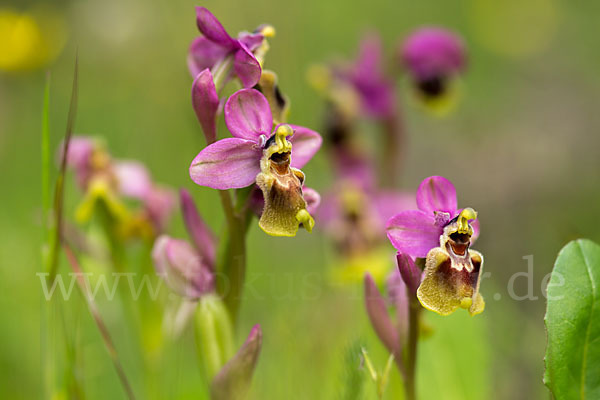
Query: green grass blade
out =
(59, 188)
(46, 157)
(46, 308)
(104, 333)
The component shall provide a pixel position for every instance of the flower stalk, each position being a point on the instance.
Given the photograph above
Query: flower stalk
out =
(232, 261)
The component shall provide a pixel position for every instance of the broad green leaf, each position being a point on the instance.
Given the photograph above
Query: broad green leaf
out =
(573, 323)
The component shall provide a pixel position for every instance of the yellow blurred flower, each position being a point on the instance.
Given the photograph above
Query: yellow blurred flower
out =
(30, 41)
(352, 269)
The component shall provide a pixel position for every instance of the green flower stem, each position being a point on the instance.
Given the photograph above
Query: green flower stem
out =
(232, 262)
(414, 315)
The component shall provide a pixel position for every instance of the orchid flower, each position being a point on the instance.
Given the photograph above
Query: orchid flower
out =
(376, 91)
(216, 46)
(360, 87)
(260, 154)
(434, 58)
(188, 269)
(442, 234)
(353, 216)
(415, 232)
(103, 179)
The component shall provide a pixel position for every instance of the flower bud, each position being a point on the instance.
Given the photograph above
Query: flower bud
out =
(202, 237)
(205, 101)
(380, 319)
(234, 379)
(411, 274)
(182, 268)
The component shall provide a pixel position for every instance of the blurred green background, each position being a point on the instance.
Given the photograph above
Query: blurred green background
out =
(522, 148)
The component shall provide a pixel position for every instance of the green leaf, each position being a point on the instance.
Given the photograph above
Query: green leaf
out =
(573, 323)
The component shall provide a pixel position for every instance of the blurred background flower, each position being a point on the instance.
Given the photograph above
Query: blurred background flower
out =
(30, 39)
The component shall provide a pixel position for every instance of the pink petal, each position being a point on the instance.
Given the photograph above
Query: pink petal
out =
(210, 27)
(79, 156)
(181, 267)
(410, 273)
(368, 63)
(246, 67)
(205, 101)
(201, 235)
(433, 51)
(247, 115)
(159, 255)
(188, 275)
(227, 164)
(476, 230)
(329, 211)
(80, 151)
(182, 256)
(436, 193)
(203, 54)
(159, 203)
(305, 143)
(312, 198)
(387, 204)
(251, 40)
(413, 232)
(134, 179)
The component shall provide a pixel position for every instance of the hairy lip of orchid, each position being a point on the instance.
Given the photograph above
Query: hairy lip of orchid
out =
(453, 271)
(285, 207)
